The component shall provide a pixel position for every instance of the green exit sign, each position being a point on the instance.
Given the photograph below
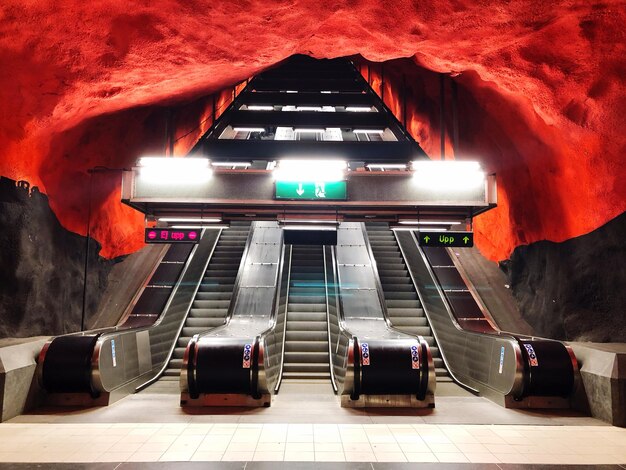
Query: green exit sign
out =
(455, 239)
(336, 190)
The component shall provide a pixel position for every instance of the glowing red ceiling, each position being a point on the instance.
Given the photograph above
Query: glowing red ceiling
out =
(84, 84)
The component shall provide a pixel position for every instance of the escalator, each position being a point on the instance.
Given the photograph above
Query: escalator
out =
(306, 343)
(403, 306)
(515, 371)
(210, 305)
(291, 302)
(187, 293)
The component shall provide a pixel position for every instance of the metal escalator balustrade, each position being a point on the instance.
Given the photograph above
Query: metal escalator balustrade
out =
(403, 306)
(306, 344)
(210, 305)
(512, 370)
(110, 363)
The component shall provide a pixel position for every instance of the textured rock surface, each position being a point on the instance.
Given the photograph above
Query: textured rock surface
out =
(42, 276)
(83, 84)
(574, 290)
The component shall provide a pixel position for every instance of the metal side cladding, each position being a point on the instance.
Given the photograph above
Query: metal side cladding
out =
(100, 366)
(238, 364)
(511, 370)
(373, 364)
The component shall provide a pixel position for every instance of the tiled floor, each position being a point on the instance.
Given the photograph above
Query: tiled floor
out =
(306, 424)
(151, 442)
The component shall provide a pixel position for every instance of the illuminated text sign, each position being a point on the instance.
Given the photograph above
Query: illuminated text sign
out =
(170, 235)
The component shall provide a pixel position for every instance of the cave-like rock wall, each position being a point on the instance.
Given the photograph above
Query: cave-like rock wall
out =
(43, 268)
(541, 94)
(574, 290)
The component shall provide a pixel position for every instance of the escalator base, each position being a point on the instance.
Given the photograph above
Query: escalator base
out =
(226, 399)
(388, 401)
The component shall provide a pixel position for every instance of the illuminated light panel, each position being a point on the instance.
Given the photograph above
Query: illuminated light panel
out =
(358, 109)
(416, 228)
(168, 170)
(303, 130)
(309, 108)
(369, 131)
(301, 170)
(387, 166)
(329, 228)
(448, 175)
(191, 220)
(429, 222)
(231, 164)
(198, 227)
(249, 129)
(255, 107)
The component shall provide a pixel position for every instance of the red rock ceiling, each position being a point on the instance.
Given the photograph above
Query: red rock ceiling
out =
(541, 92)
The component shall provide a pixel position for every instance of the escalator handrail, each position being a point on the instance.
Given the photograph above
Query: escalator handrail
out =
(330, 343)
(182, 325)
(282, 355)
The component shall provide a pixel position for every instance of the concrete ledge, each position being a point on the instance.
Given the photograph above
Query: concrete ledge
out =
(17, 374)
(603, 374)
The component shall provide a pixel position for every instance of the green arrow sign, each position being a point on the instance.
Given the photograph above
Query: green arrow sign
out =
(455, 239)
(311, 191)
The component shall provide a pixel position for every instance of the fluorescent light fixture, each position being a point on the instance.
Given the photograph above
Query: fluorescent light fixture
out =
(369, 131)
(198, 227)
(358, 109)
(429, 222)
(325, 228)
(303, 130)
(307, 221)
(301, 170)
(255, 107)
(231, 164)
(292, 91)
(169, 170)
(448, 174)
(387, 166)
(308, 108)
(249, 129)
(191, 220)
(416, 228)
(326, 92)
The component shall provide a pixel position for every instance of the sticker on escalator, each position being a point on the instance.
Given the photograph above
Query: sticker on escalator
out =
(415, 357)
(531, 355)
(247, 354)
(501, 360)
(113, 353)
(365, 354)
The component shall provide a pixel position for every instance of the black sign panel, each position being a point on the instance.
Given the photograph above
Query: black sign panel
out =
(171, 235)
(456, 239)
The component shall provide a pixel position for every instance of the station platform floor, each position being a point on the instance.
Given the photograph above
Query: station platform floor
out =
(306, 428)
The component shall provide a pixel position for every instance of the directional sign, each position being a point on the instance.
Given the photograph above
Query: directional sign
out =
(456, 239)
(311, 191)
(170, 235)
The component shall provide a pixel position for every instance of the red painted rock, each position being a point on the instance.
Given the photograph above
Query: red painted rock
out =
(541, 94)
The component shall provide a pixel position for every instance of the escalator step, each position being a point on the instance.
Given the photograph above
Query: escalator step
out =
(306, 346)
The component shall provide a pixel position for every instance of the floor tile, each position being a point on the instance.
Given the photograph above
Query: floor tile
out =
(420, 457)
(299, 456)
(268, 456)
(330, 457)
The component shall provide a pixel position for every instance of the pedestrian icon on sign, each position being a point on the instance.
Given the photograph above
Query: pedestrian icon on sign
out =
(320, 190)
